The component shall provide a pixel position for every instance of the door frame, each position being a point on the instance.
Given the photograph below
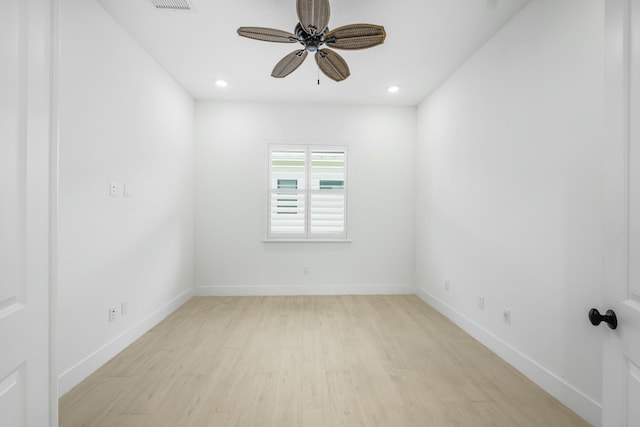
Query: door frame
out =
(54, 145)
(617, 207)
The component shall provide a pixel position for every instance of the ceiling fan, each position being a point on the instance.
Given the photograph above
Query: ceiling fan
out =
(313, 33)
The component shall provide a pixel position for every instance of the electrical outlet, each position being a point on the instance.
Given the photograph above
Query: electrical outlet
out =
(506, 316)
(124, 307)
(113, 189)
(447, 285)
(481, 302)
(112, 313)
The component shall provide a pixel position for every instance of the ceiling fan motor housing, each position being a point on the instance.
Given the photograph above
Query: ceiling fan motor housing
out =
(311, 42)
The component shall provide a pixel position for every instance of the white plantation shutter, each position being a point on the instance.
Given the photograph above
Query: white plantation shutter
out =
(327, 195)
(288, 175)
(307, 192)
(288, 213)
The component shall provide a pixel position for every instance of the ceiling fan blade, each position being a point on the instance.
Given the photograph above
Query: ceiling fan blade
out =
(355, 36)
(289, 63)
(332, 64)
(267, 34)
(313, 15)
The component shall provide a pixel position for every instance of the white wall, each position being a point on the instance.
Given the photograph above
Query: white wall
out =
(509, 196)
(231, 196)
(123, 119)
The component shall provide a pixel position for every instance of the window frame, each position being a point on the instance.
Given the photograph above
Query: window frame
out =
(308, 192)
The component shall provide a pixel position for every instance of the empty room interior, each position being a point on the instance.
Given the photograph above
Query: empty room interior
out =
(413, 240)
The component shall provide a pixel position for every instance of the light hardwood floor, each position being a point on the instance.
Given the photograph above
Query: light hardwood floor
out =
(309, 361)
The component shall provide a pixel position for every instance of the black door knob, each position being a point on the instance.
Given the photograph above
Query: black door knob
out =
(609, 318)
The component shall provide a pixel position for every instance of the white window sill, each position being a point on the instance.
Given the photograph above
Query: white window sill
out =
(306, 240)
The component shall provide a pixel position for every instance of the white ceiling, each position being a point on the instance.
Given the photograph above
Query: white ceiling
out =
(426, 41)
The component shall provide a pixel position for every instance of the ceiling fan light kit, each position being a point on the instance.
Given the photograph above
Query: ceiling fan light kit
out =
(313, 33)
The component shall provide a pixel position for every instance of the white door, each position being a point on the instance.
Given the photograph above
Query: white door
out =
(25, 385)
(621, 347)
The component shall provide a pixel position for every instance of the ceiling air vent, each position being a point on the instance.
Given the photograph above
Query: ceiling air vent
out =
(171, 4)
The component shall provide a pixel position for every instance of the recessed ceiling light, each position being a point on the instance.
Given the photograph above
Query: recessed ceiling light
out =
(393, 89)
(221, 83)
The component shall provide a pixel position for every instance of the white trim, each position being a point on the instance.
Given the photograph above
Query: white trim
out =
(74, 375)
(581, 404)
(54, 196)
(304, 290)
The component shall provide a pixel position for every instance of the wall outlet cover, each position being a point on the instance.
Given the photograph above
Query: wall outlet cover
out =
(506, 316)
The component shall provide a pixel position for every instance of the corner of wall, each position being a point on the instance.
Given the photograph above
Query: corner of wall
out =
(81, 370)
(571, 397)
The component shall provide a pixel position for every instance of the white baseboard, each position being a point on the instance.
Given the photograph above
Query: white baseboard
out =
(304, 290)
(78, 372)
(571, 397)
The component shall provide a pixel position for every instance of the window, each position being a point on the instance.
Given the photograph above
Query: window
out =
(307, 192)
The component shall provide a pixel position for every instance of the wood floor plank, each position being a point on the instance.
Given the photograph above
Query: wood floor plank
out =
(309, 361)
(287, 403)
